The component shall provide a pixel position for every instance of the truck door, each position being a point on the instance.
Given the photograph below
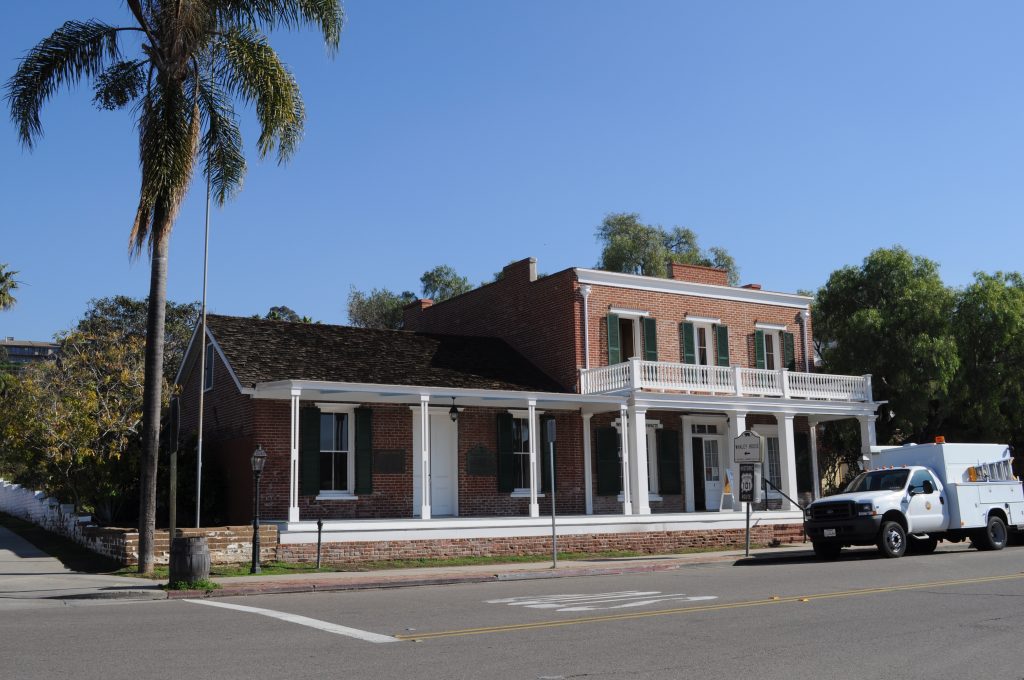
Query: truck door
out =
(926, 511)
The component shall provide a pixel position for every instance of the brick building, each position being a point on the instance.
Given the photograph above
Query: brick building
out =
(436, 439)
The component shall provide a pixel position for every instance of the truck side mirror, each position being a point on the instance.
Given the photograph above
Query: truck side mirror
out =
(927, 487)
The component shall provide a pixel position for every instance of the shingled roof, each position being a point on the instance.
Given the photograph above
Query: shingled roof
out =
(261, 350)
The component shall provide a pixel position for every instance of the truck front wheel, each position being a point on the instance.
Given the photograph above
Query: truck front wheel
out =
(892, 539)
(993, 536)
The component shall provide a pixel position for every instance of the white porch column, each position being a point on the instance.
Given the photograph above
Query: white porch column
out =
(813, 440)
(787, 457)
(690, 505)
(588, 478)
(737, 426)
(424, 456)
(627, 504)
(531, 406)
(293, 466)
(867, 436)
(638, 474)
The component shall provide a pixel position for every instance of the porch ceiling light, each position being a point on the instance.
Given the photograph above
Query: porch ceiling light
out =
(453, 412)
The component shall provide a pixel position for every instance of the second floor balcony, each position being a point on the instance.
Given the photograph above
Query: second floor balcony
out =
(637, 374)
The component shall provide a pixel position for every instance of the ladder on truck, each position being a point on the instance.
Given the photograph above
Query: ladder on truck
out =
(996, 471)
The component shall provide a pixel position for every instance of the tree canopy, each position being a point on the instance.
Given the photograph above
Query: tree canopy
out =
(443, 282)
(380, 308)
(7, 287)
(283, 313)
(632, 247)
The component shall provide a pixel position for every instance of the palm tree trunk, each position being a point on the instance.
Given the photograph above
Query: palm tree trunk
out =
(151, 401)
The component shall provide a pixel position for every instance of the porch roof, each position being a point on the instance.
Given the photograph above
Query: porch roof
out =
(262, 351)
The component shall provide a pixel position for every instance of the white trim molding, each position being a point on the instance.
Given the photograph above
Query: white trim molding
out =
(761, 326)
(705, 290)
(624, 311)
(693, 318)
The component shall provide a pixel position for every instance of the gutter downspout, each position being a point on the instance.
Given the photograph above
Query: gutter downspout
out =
(585, 292)
(805, 316)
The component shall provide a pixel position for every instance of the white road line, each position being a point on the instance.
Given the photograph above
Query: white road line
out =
(325, 626)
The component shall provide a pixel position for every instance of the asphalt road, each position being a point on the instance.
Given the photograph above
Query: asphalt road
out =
(955, 614)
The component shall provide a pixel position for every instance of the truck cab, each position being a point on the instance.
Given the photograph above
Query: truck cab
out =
(917, 495)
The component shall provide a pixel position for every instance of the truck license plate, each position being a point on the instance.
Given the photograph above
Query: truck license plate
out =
(829, 533)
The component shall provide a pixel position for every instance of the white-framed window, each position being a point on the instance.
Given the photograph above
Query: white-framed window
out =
(773, 457)
(712, 463)
(208, 369)
(653, 483)
(704, 428)
(521, 454)
(337, 451)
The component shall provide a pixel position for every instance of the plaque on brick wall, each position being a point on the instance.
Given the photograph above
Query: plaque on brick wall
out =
(389, 461)
(481, 462)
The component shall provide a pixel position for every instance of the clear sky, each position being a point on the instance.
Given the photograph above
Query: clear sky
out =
(797, 135)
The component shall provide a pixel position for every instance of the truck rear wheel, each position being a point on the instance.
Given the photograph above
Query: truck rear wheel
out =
(826, 551)
(923, 546)
(892, 539)
(993, 536)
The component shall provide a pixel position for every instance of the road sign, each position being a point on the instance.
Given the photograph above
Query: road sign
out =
(748, 448)
(750, 487)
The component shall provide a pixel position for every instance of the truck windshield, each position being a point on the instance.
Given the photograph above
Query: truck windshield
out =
(879, 480)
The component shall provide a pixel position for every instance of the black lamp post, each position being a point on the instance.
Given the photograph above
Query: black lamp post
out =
(259, 459)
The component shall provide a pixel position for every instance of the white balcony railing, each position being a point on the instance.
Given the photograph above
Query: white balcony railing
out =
(759, 382)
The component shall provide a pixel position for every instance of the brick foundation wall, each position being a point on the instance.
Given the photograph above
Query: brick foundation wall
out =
(228, 545)
(650, 543)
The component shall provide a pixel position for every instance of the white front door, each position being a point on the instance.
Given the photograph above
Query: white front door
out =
(444, 447)
(712, 474)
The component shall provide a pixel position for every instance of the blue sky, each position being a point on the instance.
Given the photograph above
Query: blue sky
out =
(797, 135)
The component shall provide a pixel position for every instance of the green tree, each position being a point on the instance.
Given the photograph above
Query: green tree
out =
(283, 313)
(443, 282)
(126, 317)
(632, 247)
(69, 425)
(890, 317)
(195, 60)
(988, 394)
(7, 287)
(380, 308)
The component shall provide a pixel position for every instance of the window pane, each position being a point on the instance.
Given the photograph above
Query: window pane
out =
(774, 461)
(341, 432)
(769, 351)
(522, 470)
(326, 471)
(702, 346)
(340, 471)
(326, 432)
(520, 435)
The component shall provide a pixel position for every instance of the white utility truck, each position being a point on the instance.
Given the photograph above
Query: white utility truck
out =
(913, 496)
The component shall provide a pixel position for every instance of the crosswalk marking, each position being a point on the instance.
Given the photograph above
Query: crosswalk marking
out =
(581, 602)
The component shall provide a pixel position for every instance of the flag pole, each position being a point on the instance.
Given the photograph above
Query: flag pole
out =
(202, 357)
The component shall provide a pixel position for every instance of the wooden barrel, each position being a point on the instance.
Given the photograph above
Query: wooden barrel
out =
(190, 559)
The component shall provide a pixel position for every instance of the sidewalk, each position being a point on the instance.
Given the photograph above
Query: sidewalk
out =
(426, 576)
(26, 573)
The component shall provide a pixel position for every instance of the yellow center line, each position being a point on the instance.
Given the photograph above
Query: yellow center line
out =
(705, 608)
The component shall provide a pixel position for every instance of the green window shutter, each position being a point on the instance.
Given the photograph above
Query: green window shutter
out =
(686, 342)
(364, 450)
(790, 354)
(506, 457)
(545, 455)
(309, 451)
(609, 470)
(759, 361)
(614, 343)
(670, 479)
(722, 339)
(650, 339)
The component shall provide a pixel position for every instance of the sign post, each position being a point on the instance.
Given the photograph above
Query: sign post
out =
(748, 450)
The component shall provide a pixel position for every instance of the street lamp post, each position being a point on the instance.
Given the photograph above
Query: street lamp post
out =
(259, 459)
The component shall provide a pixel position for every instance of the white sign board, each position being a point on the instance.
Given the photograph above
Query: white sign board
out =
(748, 448)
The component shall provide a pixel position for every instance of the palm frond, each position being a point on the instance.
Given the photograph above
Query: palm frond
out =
(121, 83)
(251, 70)
(169, 127)
(221, 146)
(327, 15)
(75, 50)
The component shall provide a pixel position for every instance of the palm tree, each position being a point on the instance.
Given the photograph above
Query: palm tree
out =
(197, 57)
(7, 287)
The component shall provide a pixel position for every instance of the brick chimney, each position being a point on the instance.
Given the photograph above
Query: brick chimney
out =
(412, 311)
(521, 270)
(695, 273)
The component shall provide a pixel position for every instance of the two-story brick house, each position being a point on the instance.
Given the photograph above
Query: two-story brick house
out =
(436, 439)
